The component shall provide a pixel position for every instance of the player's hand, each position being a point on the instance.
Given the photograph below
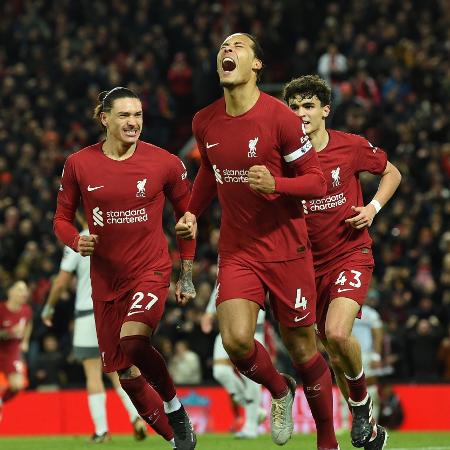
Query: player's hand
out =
(184, 289)
(261, 180)
(86, 244)
(206, 322)
(186, 228)
(364, 216)
(47, 315)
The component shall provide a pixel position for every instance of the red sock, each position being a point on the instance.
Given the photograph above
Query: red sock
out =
(149, 361)
(258, 367)
(357, 387)
(148, 404)
(317, 387)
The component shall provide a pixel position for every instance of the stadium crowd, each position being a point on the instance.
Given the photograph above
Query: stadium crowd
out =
(388, 64)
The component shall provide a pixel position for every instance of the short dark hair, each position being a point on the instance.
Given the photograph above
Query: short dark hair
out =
(308, 86)
(106, 99)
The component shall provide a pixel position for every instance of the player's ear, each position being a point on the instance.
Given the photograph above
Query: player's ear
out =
(104, 119)
(326, 111)
(257, 64)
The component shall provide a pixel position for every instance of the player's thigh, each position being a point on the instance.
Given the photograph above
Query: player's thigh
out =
(323, 283)
(240, 296)
(292, 291)
(145, 307)
(239, 279)
(237, 321)
(340, 317)
(109, 318)
(349, 284)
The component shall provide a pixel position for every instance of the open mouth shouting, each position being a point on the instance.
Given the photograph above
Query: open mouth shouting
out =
(228, 65)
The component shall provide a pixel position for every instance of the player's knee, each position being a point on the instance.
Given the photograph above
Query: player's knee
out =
(237, 345)
(336, 338)
(134, 347)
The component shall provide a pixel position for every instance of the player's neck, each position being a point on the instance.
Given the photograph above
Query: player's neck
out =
(319, 139)
(117, 150)
(240, 99)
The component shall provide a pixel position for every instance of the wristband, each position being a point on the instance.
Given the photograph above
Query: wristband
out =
(376, 205)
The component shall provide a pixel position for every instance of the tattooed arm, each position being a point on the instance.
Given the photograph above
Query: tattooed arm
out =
(185, 289)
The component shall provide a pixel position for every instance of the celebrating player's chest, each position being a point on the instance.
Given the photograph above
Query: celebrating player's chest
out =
(235, 147)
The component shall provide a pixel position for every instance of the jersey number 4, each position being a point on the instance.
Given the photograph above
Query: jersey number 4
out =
(300, 302)
(138, 297)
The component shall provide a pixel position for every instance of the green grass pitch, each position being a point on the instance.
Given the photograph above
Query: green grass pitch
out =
(397, 441)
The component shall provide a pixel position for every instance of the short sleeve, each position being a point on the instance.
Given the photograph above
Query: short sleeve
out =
(177, 184)
(369, 158)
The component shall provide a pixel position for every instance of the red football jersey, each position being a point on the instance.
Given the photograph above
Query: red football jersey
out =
(123, 202)
(254, 226)
(344, 157)
(13, 322)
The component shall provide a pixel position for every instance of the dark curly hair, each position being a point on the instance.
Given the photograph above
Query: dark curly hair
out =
(308, 86)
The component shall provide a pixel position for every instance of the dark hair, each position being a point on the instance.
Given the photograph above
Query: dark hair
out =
(308, 86)
(106, 99)
(258, 51)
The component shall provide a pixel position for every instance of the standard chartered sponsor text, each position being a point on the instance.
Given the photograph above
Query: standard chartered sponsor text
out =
(126, 216)
(328, 202)
(235, 175)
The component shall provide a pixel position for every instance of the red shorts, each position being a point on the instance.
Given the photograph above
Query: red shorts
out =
(290, 284)
(350, 279)
(145, 303)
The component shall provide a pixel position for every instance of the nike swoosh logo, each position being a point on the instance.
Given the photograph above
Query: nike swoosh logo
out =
(93, 188)
(211, 145)
(134, 312)
(343, 290)
(297, 319)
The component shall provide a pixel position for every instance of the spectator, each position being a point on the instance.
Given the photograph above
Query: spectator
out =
(185, 365)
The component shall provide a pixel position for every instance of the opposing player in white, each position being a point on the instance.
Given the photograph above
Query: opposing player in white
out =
(85, 344)
(242, 390)
(369, 332)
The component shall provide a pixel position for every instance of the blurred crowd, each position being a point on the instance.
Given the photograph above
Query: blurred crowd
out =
(389, 67)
